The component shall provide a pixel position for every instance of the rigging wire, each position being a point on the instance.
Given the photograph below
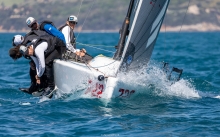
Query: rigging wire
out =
(165, 31)
(185, 15)
(82, 27)
(86, 17)
(79, 8)
(95, 47)
(216, 16)
(181, 26)
(91, 45)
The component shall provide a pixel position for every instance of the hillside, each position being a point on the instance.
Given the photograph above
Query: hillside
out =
(107, 15)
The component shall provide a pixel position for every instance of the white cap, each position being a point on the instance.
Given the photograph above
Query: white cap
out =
(30, 21)
(72, 18)
(17, 40)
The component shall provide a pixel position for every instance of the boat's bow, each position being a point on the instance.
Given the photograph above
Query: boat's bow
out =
(93, 78)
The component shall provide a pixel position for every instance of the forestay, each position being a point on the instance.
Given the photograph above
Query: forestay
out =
(146, 20)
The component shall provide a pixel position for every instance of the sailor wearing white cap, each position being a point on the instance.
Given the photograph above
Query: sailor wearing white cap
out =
(17, 40)
(67, 30)
(45, 25)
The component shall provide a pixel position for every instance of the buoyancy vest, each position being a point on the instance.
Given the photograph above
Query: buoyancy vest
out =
(52, 43)
(33, 34)
(72, 36)
(45, 22)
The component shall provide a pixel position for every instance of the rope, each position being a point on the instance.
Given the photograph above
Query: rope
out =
(105, 65)
(90, 67)
(96, 68)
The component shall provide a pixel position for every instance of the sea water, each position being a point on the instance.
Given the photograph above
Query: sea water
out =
(189, 107)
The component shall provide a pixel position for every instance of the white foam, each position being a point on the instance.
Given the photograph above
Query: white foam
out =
(151, 80)
(25, 103)
(218, 97)
(43, 98)
(156, 78)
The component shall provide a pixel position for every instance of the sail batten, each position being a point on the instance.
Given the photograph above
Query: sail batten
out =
(154, 34)
(160, 16)
(147, 18)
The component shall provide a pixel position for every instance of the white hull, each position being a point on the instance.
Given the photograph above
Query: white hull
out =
(71, 77)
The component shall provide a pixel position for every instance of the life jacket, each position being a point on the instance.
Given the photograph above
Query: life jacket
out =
(44, 23)
(72, 36)
(33, 34)
(52, 43)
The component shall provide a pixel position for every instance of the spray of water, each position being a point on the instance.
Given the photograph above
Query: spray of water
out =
(151, 81)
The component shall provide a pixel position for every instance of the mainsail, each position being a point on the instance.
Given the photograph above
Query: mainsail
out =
(146, 20)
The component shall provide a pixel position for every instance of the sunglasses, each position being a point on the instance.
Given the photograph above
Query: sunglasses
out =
(73, 22)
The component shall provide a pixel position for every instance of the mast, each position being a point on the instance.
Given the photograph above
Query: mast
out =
(124, 32)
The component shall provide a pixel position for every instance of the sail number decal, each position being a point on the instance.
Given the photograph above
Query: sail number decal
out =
(125, 92)
(95, 90)
(98, 90)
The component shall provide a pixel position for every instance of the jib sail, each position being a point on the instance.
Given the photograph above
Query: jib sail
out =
(146, 20)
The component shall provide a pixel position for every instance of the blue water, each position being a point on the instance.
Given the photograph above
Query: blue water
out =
(189, 107)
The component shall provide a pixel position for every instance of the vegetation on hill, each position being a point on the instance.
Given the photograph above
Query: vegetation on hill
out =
(100, 14)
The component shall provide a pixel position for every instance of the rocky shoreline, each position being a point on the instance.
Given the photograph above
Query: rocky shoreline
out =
(201, 27)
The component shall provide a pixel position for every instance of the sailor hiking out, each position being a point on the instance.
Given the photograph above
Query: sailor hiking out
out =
(42, 51)
(20, 40)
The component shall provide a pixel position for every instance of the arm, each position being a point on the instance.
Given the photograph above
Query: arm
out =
(36, 63)
(66, 33)
(37, 68)
(53, 31)
(39, 52)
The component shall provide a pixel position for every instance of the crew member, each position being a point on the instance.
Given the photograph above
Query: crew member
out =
(68, 31)
(42, 51)
(46, 25)
(18, 40)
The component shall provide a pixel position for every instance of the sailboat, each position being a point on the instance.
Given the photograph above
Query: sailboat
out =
(138, 36)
